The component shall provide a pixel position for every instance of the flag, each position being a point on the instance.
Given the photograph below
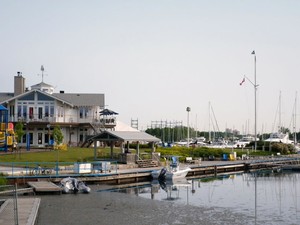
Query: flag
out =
(242, 81)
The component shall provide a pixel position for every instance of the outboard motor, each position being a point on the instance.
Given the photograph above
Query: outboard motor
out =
(75, 186)
(162, 173)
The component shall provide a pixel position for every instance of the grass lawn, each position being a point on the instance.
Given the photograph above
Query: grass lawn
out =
(71, 155)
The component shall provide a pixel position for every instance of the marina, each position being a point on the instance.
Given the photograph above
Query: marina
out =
(141, 177)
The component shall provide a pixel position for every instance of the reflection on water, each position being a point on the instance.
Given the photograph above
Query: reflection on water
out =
(268, 197)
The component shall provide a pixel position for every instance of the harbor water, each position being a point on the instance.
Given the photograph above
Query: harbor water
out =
(264, 197)
(267, 198)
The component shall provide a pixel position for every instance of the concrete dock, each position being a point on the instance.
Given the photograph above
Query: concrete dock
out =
(27, 211)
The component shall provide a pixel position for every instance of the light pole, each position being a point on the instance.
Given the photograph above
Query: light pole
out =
(188, 109)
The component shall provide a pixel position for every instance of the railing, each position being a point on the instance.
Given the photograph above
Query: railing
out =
(57, 169)
(107, 121)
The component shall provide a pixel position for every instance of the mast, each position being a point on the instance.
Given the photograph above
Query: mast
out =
(209, 134)
(279, 123)
(295, 119)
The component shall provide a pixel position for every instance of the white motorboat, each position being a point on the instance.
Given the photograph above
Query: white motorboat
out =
(73, 185)
(171, 172)
(279, 137)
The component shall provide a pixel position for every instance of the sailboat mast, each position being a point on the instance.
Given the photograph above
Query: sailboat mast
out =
(209, 133)
(279, 124)
(295, 120)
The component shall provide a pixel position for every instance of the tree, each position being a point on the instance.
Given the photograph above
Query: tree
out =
(58, 135)
(19, 133)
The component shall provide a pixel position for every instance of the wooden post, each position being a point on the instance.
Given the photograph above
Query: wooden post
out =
(95, 150)
(111, 149)
(138, 149)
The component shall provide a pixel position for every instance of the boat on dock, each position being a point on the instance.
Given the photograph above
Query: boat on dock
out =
(173, 171)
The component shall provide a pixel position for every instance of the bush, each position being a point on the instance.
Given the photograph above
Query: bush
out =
(3, 180)
(284, 149)
(62, 147)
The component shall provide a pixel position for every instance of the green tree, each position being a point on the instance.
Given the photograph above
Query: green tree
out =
(58, 135)
(19, 133)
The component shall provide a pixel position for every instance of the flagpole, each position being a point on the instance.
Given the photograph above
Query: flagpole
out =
(255, 85)
(255, 108)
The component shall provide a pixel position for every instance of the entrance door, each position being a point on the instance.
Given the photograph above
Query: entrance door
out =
(31, 114)
(40, 113)
(40, 138)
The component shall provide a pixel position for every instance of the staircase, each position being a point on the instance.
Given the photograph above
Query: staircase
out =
(88, 141)
(144, 163)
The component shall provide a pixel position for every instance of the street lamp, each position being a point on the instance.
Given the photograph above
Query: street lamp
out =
(188, 109)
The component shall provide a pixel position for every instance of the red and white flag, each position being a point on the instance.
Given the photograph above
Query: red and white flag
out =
(242, 81)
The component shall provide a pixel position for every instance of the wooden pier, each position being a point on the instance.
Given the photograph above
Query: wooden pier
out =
(125, 176)
(45, 187)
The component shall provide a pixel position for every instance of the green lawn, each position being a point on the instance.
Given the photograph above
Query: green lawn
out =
(71, 155)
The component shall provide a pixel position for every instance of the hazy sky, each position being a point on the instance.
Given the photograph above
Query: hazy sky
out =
(152, 59)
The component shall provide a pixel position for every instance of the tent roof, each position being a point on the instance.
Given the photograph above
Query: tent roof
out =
(125, 136)
(2, 108)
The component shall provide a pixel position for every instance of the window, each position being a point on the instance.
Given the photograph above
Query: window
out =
(46, 110)
(25, 111)
(51, 110)
(40, 112)
(81, 113)
(86, 113)
(19, 111)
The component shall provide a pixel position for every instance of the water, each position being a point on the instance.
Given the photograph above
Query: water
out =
(267, 197)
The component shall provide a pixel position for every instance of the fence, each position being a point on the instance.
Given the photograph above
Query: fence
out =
(57, 169)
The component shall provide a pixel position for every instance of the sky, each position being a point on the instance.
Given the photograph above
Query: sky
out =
(153, 59)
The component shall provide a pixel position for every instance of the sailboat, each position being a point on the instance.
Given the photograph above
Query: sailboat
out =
(279, 136)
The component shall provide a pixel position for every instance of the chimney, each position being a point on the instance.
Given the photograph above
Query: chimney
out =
(19, 84)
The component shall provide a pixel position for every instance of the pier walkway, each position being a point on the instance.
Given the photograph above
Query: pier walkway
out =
(27, 211)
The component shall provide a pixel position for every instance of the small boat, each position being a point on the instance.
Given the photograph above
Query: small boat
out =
(73, 185)
(171, 172)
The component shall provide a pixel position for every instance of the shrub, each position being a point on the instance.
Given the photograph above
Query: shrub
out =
(3, 180)
(62, 147)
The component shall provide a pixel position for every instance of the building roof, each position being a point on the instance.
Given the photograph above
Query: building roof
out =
(125, 136)
(82, 99)
(6, 95)
(29, 92)
(77, 99)
(42, 84)
(120, 126)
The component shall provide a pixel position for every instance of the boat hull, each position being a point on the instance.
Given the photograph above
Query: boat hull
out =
(179, 174)
(170, 175)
